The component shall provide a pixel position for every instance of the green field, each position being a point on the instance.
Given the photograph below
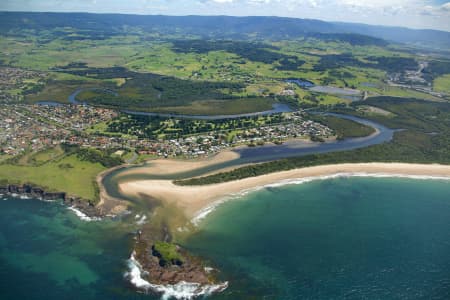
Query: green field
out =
(72, 64)
(221, 107)
(442, 84)
(69, 174)
(46, 156)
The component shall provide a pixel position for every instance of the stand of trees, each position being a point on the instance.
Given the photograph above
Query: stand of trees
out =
(144, 90)
(257, 52)
(152, 126)
(388, 64)
(92, 155)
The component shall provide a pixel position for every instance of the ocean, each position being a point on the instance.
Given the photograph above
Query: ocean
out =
(339, 238)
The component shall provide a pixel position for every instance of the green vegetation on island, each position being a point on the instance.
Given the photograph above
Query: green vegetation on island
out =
(167, 253)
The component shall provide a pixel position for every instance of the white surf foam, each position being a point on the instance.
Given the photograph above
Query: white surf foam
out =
(82, 215)
(142, 220)
(203, 213)
(182, 290)
(182, 229)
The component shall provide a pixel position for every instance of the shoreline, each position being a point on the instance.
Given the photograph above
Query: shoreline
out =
(85, 209)
(197, 201)
(202, 214)
(111, 206)
(107, 204)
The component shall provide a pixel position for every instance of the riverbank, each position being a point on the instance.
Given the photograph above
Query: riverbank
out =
(110, 205)
(195, 200)
(107, 204)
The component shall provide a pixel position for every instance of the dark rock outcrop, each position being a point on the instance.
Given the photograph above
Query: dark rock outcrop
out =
(86, 206)
(191, 269)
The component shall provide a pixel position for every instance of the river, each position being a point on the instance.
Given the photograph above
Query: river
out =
(72, 99)
(262, 154)
(251, 154)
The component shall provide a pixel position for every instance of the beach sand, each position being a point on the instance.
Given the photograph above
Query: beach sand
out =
(109, 205)
(194, 199)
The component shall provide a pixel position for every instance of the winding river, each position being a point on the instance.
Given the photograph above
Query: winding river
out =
(276, 108)
(247, 154)
(261, 154)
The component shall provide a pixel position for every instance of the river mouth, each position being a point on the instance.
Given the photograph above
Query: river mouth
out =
(260, 154)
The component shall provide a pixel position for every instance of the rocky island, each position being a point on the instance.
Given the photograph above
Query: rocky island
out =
(157, 266)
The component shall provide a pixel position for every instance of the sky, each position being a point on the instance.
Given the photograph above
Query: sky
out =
(433, 14)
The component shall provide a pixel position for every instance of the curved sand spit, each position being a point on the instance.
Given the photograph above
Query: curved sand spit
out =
(192, 199)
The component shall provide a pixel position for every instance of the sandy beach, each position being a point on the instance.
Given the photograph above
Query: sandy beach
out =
(108, 204)
(193, 199)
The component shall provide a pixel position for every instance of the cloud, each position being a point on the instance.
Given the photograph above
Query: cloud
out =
(222, 1)
(446, 6)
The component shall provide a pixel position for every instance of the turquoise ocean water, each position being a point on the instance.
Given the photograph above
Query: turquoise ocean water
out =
(342, 238)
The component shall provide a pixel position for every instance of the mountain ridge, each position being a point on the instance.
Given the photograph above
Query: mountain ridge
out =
(276, 28)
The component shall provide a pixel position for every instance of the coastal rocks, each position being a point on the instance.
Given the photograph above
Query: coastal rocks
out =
(161, 270)
(165, 267)
(138, 277)
(31, 192)
(86, 207)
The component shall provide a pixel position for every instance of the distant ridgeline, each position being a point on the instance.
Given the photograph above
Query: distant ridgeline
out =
(103, 26)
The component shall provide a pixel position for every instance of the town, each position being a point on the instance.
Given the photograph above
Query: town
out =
(33, 128)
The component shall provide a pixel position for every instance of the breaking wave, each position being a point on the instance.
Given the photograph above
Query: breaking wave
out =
(141, 220)
(203, 213)
(82, 215)
(182, 290)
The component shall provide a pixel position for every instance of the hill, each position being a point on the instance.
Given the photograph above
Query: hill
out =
(219, 27)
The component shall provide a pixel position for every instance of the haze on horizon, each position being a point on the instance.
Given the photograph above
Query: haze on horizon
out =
(430, 14)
